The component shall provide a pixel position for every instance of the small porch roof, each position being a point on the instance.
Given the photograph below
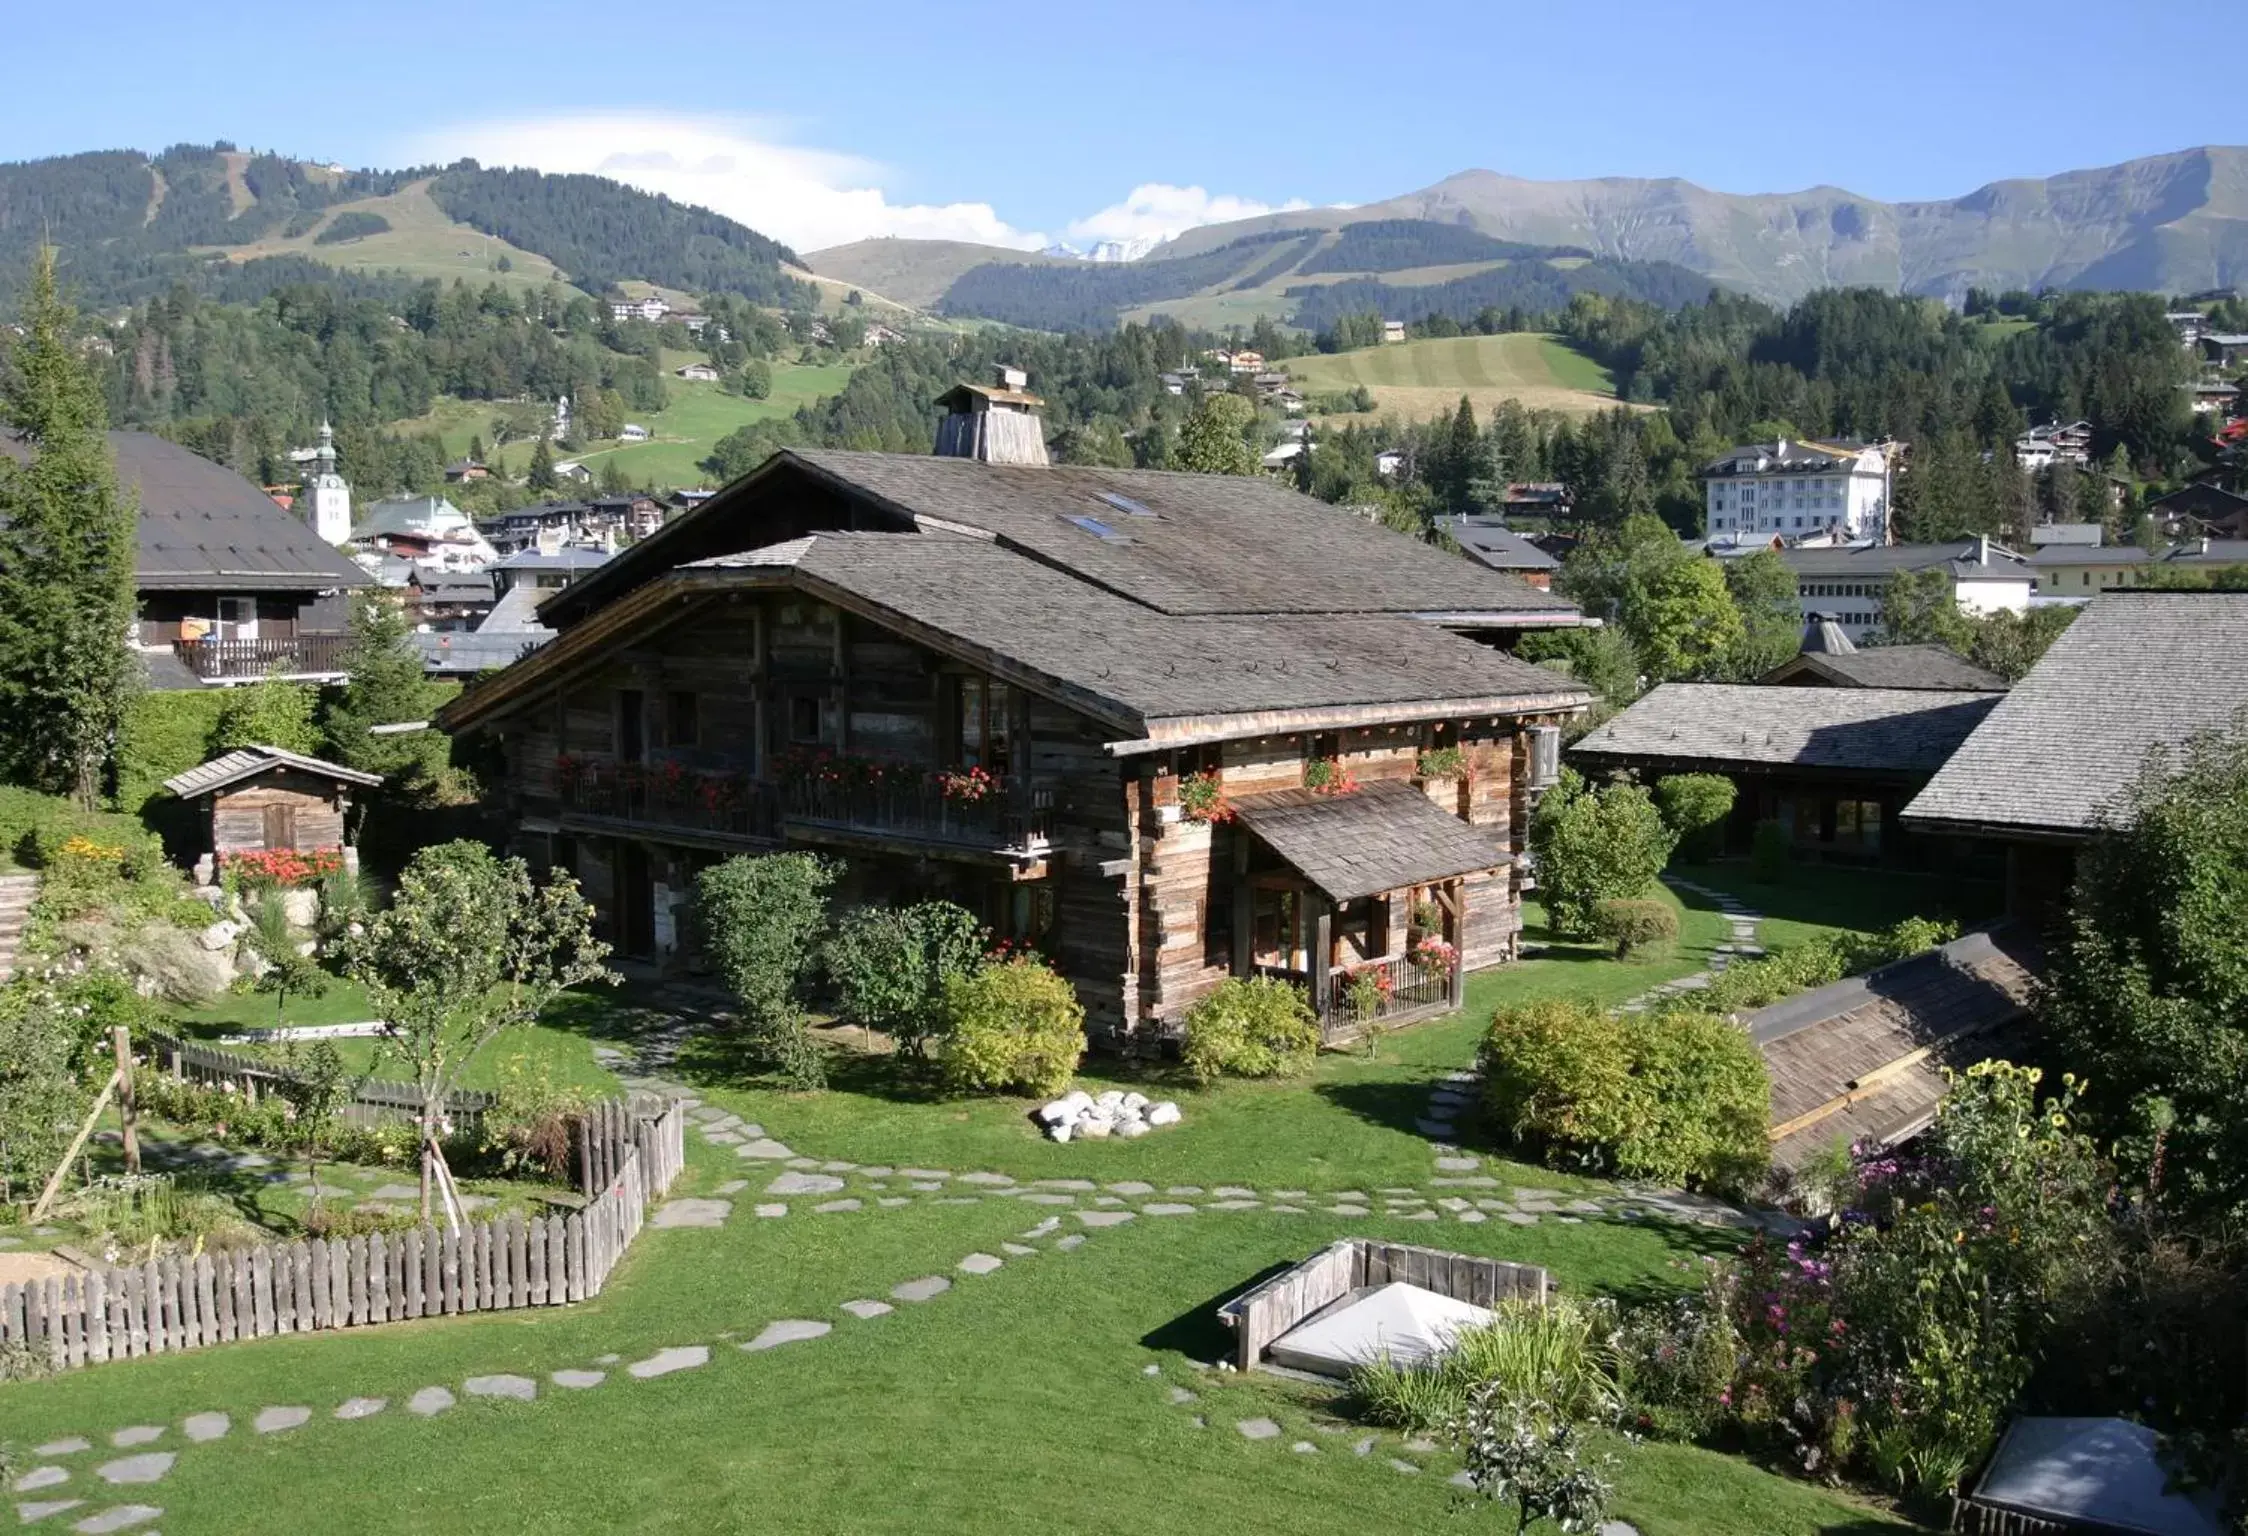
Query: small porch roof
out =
(1379, 837)
(248, 762)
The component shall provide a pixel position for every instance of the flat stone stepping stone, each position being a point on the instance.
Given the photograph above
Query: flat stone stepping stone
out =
(868, 1309)
(986, 1178)
(805, 1184)
(1444, 1128)
(1233, 1192)
(890, 1202)
(692, 1213)
(272, 1421)
(1103, 1218)
(1520, 1218)
(1471, 1217)
(923, 1289)
(878, 1172)
(147, 1467)
(202, 1427)
(1420, 1216)
(979, 1263)
(1465, 1181)
(1073, 1240)
(396, 1192)
(838, 1166)
(429, 1401)
(34, 1510)
(771, 1209)
(789, 1330)
(926, 1186)
(1182, 1396)
(1046, 1226)
(764, 1149)
(1082, 1186)
(1184, 1189)
(1462, 1479)
(1040, 1197)
(1304, 1448)
(961, 1200)
(1585, 1207)
(706, 1112)
(722, 1138)
(66, 1447)
(924, 1173)
(1234, 1205)
(520, 1388)
(681, 1357)
(1131, 1187)
(732, 1187)
(1258, 1429)
(1459, 1164)
(1167, 1208)
(138, 1434)
(41, 1477)
(579, 1381)
(1017, 1250)
(1365, 1447)
(837, 1207)
(1400, 1464)
(122, 1518)
(1615, 1528)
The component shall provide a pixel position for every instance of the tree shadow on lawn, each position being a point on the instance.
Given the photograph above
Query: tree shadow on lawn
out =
(1388, 1103)
(1197, 1333)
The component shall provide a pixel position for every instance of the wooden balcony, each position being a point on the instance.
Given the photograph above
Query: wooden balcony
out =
(714, 805)
(226, 661)
(1010, 818)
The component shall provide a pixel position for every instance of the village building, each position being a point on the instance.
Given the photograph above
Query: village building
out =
(268, 800)
(698, 373)
(651, 309)
(2056, 442)
(440, 600)
(2200, 510)
(1167, 727)
(422, 530)
(535, 526)
(326, 498)
(464, 470)
(2040, 775)
(1848, 582)
(2079, 570)
(1834, 766)
(1793, 488)
(1488, 541)
(1829, 660)
(228, 587)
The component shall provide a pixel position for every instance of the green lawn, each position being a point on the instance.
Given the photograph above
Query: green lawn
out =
(1811, 899)
(1419, 378)
(1019, 1400)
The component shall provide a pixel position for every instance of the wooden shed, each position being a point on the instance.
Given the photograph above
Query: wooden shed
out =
(258, 799)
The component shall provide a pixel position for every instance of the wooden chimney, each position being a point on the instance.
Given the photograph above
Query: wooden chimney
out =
(998, 424)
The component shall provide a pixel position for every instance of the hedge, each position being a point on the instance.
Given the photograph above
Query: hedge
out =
(163, 734)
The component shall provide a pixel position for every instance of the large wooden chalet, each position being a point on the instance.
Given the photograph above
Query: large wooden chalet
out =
(981, 676)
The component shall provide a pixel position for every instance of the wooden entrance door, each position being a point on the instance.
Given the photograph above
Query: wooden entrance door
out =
(280, 826)
(636, 902)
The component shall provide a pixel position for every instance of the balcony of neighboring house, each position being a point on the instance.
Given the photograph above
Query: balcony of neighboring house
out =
(217, 659)
(713, 808)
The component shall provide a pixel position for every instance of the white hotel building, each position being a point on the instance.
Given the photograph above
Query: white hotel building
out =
(1799, 489)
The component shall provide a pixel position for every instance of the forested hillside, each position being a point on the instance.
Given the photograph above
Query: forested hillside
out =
(1530, 285)
(1398, 245)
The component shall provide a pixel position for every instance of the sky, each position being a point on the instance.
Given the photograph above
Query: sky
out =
(1086, 121)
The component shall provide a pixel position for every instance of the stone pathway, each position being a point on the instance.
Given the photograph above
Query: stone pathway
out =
(1740, 944)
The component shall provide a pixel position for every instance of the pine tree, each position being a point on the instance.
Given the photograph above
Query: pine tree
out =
(541, 476)
(476, 446)
(67, 546)
(385, 687)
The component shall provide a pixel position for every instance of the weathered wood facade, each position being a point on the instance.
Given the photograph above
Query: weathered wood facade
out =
(987, 683)
(266, 799)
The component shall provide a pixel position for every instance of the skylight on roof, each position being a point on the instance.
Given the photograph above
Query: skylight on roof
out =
(1125, 504)
(1101, 530)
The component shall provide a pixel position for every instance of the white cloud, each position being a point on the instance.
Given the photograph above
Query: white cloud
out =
(1155, 211)
(805, 197)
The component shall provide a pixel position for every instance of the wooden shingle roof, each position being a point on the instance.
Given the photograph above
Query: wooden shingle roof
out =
(247, 762)
(1857, 730)
(2135, 671)
(1379, 837)
(1935, 668)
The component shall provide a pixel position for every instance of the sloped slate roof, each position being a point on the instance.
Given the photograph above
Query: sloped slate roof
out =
(1919, 667)
(1868, 730)
(1875, 562)
(246, 762)
(1502, 549)
(466, 653)
(1376, 838)
(203, 528)
(2135, 671)
(1199, 544)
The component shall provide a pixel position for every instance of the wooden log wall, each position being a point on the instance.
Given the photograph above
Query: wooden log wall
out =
(191, 1301)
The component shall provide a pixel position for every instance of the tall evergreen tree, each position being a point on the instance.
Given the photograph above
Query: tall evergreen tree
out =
(541, 477)
(67, 544)
(385, 687)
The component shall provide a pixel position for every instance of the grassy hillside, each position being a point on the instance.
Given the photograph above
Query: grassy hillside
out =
(685, 430)
(915, 272)
(1417, 379)
(422, 242)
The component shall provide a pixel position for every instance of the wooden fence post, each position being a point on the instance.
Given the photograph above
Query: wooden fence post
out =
(121, 1041)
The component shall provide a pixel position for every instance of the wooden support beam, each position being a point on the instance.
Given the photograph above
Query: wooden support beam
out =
(121, 1042)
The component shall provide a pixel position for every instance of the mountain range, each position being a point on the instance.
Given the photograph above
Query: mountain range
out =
(2173, 223)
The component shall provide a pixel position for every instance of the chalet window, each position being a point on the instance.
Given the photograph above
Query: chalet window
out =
(682, 724)
(983, 710)
(804, 718)
(632, 725)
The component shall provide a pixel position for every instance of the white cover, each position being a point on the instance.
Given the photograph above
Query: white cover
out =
(1406, 1323)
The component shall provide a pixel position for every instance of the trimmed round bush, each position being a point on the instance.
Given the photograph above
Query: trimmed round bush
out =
(1253, 1026)
(1556, 1072)
(1694, 807)
(1011, 1027)
(1631, 924)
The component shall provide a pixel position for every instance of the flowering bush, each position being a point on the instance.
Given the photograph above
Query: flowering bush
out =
(967, 785)
(825, 765)
(267, 869)
(1202, 798)
(1436, 954)
(1327, 776)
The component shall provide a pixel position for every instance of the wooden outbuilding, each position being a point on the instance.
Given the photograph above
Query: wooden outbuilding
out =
(268, 799)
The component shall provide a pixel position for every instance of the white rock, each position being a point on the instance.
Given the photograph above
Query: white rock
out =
(1135, 1102)
(1131, 1128)
(220, 935)
(1060, 1130)
(1110, 1099)
(1165, 1113)
(1067, 1107)
(1094, 1130)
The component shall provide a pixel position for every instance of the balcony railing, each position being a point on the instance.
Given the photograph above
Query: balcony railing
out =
(1008, 816)
(728, 804)
(1400, 987)
(229, 660)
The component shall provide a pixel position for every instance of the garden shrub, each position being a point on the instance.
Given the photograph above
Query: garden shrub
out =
(1633, 924)
(761, 921)
(1820, 962)
(42, 1095)
(1674, 1097)
(1591, 844)
(1694, 807)
(527, 1125)
(1251, 1026)
(1011, 1026)
(890, 966)
(162, 734)
(1556, 1352)
(1770, 849)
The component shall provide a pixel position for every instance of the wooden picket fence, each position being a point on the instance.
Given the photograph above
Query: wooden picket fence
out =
(183, 1301)
(374, 1101)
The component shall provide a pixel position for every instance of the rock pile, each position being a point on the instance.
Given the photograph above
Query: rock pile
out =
(1080, 1114)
